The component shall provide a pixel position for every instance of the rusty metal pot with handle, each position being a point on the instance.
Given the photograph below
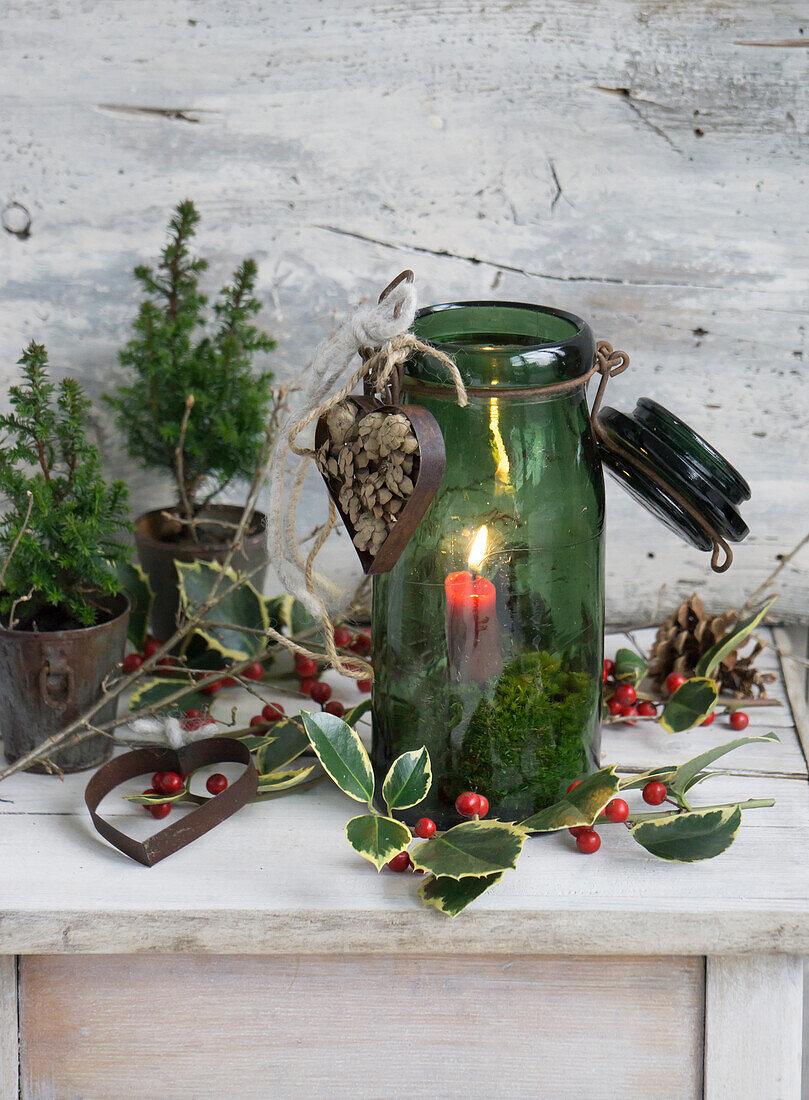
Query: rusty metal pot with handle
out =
(49, 678)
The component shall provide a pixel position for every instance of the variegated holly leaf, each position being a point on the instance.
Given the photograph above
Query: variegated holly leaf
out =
(451, 895)
(353, 715)
(284, 743)
(408, 780)
(155, 799)
(690, 705)
(473, 848)
(683, 776)
(135, 584)
(283, 780)
(377, 839)
(630, 667)
(342, 754)
(581, 806)
(151, 692)
(243, 606)
(638, 782)
(712, 658)
(690, 837)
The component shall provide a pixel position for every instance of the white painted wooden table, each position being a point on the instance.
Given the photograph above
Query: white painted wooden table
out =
(268, 960)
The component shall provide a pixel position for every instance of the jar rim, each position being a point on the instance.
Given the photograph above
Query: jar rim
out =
(506, 345)
(579, 326)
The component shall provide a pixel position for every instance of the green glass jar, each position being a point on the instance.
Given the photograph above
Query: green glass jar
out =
(488, 632)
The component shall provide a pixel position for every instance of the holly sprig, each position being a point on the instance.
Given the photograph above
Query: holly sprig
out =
(691, 701)
(464, 861)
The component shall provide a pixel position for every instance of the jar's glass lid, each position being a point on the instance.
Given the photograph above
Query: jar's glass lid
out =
(693, 448)
(674, 473)
(654, 499)
(664, 457)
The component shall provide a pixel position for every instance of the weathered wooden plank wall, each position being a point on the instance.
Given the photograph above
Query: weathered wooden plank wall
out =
(640, 163)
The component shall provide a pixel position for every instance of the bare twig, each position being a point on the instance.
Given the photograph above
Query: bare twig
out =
(16, 542)
(179, 458)
(762, 588)
(15, 605)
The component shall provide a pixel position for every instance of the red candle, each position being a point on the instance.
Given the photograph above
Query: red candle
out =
(473, 639)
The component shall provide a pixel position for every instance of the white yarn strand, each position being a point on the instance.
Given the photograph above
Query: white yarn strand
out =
(331, 371)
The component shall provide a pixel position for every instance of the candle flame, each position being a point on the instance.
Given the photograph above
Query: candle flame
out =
(477, 551)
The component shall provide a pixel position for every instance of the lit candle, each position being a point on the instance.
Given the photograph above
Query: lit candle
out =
(473, 640)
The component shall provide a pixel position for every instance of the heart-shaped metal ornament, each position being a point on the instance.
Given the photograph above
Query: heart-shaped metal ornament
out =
(211, 750)
(382, 465)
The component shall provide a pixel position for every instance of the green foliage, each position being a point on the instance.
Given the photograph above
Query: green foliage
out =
(376, 838)
(244, 606)
(408, 780)
(473, 848)
(342, 754)
(172, 360)
(710, 661)
(581, 806)
(135, 584)
(452, 895)
(520, 747)
(70, 545)
(690, 837)
(630, 668)
(690, 705)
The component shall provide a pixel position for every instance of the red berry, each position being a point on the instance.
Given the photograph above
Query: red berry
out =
(150, 647)
(170, 783)
(588, 842)
(577, 830)
(627, 713)
(400, 862)
(342, 637)
(336, 708)
(254, 672)
(258, 720)
(647, 709)
(272, 712)
(575, 783)
(361, 645)
(160, 810)
(655, 792)
(193, 713)
(614, 707)
(468, 804)
(157, 782)
(306, 668)
(320, 692)
(739, 720)
(609, 668)
(229, 682)
(625, 694)
(216, 783)
(425, 828)
(192, 723)
(364, 685)
(484, 805)
(674, 680)
(708, 720)
(307, 685)
(213, 687)
(132, 663)
(616, 811)
(151, 790)
(167, 662)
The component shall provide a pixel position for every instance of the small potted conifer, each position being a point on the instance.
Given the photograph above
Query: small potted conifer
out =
(195, 408)
(63, 618)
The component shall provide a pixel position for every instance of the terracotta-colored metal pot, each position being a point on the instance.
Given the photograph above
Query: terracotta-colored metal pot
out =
(50, 677)
(157, 556)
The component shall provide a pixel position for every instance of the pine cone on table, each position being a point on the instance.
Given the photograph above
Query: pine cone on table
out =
(688, 633)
